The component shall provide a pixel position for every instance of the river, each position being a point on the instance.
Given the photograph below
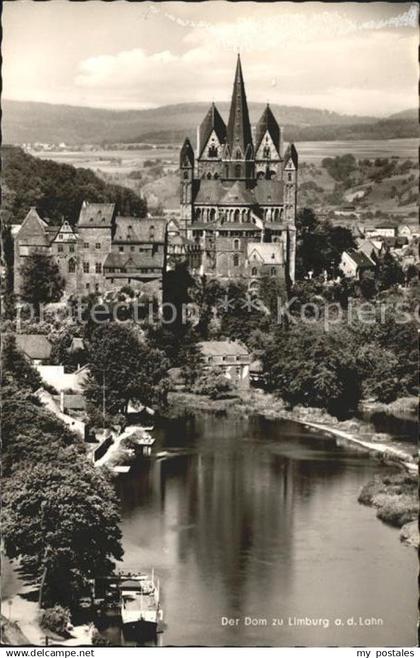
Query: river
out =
(259, 519)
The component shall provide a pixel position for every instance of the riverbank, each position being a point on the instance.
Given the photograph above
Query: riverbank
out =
(357, 433)
(354, 433)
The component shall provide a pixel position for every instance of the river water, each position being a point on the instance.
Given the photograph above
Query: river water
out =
(256, 519)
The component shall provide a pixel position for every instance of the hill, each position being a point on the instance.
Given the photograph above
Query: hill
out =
(29, 122)
(57, 190)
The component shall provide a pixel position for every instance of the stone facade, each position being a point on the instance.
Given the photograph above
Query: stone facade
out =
(100, 252)
(236, 191)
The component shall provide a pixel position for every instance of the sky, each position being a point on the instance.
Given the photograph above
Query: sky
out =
(353, 58)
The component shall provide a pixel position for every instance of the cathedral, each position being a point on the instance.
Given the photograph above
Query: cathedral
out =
(238, 193)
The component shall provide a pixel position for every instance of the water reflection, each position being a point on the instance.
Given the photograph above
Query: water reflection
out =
(260, 519)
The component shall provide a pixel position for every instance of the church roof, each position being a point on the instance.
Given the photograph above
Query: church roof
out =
(134, 229)
(187, 153)
(268, 123)
(268, 192)
(210, 192)
(96, 214)
(291, 153)
(212, 121)
(239, 127)
(238, 194)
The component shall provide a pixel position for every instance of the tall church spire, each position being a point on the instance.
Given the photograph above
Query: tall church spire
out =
(239, 129)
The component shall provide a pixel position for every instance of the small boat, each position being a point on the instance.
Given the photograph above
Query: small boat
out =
(140, 605)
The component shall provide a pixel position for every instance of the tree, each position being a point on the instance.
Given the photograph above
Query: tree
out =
(15, 365)
(42, 282)
(213, 383)
(123, 368)
(308, 366)
(61, 520)
(390, 272)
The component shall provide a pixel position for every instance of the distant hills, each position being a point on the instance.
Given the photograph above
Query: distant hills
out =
(29, 122)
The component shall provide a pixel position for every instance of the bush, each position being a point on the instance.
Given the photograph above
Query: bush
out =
(56, 619)
(214, 384)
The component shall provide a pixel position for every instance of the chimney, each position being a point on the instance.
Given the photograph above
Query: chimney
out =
(62, 401)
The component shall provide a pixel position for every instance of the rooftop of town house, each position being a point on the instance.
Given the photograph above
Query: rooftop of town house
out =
(136, 261)
(35, 346)
(71, 401)
(360, 258)
(96, 214)
(223, 348)
(77, 344)
(134, 229)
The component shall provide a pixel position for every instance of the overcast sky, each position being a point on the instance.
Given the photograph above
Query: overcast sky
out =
(355, 58)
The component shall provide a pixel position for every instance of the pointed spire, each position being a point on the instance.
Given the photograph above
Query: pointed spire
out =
(239, 129)
(212, 121)
(267, 123)
(187, 154)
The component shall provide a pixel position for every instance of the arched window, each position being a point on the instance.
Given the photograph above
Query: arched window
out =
(238, 171)
(227, 171)
(216, 176)
(209, 176)
(212, 214)
(236, 244)
(235, 260)
(238, 154)
(72, 266)
(236, 215)
(254, 271)
(186, 175)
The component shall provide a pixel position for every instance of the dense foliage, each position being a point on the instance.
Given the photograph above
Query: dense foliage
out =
(129, 369)
(58, 190)
(42, 282)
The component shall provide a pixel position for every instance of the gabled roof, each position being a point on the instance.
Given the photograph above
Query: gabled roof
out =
(269, 253)
(212, 121)
(34, 229)
(133, 261)
(360, 258)
(267, 123)
(133, 229)
(222, 348)
(96, 214)
(187, 154)
(34, 346)
(238, 194)
(268, 192)
(239, 127)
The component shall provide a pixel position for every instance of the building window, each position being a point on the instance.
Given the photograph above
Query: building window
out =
(273, 271)
(266, 152)
(96, 287)
(254, 271)
(121, 248)
(87, 286)
(71, 248)
(86, 268)
(60, 237)
(237, 171)
(212, 152)
(185, 175)
(235, 260)
(98, 245)
(60, 248)
(72, 266)
(86, 245)
(289, 177)
(98, 268)
(132, 248)
(238, 154)
(236, 244)
(152, 233)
